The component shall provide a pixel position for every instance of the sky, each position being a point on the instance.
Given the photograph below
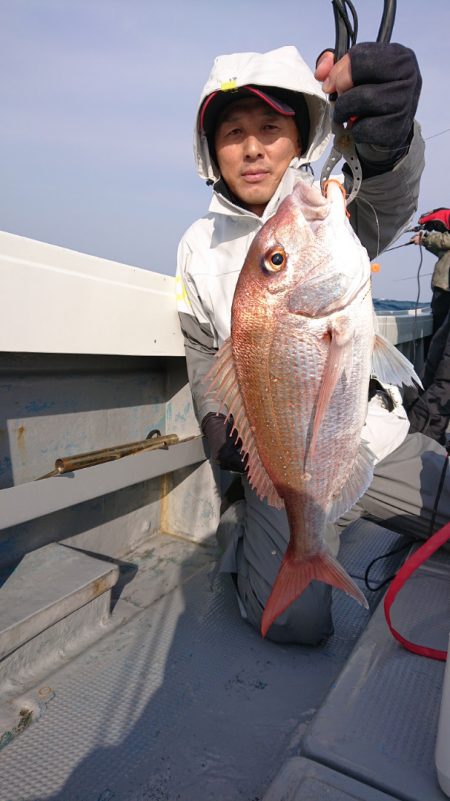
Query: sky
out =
(99, 100)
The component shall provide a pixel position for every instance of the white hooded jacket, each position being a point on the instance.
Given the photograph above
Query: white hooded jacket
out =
(212, 251)
(284, 68)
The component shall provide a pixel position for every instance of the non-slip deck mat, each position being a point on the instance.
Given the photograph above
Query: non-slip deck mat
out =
(183, 703)
(379, 722)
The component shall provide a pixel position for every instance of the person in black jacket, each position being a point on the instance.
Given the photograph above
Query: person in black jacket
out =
(429, 412)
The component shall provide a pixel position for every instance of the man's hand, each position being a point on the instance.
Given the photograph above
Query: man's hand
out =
(225, 449)
(378, 84)
(417, 239)
(335, 77)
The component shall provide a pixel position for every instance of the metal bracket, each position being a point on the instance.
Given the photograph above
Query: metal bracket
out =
(343, 147)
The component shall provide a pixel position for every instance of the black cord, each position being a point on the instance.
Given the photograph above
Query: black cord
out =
(438, 494)
(377, 559)
(346, 29)
(411, 541)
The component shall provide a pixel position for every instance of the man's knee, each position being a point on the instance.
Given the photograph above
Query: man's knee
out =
(307, 621)
(229, 534)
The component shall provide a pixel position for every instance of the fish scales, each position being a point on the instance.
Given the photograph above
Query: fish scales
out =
(281, 412)
(300, 354)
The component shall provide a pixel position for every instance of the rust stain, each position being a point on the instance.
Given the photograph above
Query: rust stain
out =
(165, 487)
(99, 586)
(21, 440)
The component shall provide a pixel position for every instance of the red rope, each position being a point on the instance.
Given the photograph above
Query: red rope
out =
(406, 570)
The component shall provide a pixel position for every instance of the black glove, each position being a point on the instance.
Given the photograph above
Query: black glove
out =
(385, 95)
(225, 448)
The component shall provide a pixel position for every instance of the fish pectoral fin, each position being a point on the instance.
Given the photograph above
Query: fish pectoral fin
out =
(295, 575)
(338, 359)
(223, 387)
(358, 481)
(390, 366)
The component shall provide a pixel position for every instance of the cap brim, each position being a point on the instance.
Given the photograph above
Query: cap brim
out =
(217, 102)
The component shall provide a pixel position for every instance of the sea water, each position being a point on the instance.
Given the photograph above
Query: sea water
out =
(386, 306)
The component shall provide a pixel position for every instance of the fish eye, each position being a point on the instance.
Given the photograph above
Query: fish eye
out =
(274, 260)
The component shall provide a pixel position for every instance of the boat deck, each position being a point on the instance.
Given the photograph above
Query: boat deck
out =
(172, 695)
(181, 699)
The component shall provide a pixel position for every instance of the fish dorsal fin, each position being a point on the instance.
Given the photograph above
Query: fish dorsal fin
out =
(358, 482)
(224, 388)
(390, 366)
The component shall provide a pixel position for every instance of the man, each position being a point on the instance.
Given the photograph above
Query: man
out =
(262, 119)
(429, 411)
(435, 237)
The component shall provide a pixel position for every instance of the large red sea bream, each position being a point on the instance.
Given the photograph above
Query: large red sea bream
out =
(294, 376)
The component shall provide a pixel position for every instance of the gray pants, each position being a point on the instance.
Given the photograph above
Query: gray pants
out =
(254, 536)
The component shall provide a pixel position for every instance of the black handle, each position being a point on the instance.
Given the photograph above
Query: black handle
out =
(387, 21)
(346, 27)
(346, 30)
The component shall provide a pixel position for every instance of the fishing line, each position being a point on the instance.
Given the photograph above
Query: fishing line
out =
(446, 130)
(414, 328)
(411, 277)
(417, 277)
(376, 220)
(444, 468)
(396, 247)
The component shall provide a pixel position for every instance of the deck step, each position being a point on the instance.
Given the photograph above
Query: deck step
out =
(48, 586)
(301, 779)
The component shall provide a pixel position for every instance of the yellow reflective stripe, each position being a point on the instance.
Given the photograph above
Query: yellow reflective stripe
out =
(180, 291)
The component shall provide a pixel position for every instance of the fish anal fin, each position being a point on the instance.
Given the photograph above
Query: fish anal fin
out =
(224, 389)
(358, 481)
(390, 366)
(295, 575)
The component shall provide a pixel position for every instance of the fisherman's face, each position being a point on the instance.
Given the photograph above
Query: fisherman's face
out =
(254, 146)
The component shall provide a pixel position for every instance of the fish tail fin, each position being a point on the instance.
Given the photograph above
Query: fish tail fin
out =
(295, 575)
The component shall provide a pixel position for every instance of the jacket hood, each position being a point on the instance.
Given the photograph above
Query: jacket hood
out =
(283, 68)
